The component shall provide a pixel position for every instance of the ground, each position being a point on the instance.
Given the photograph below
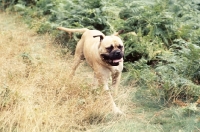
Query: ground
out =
(37, 95)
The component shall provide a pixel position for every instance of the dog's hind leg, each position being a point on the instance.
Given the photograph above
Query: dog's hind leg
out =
(77, 57)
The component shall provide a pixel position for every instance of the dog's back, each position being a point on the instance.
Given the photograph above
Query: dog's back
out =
(80, 30)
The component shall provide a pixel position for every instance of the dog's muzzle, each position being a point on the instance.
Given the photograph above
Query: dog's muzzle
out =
(113, 58)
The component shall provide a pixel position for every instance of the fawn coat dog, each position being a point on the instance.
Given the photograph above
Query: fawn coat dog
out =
(104, 54)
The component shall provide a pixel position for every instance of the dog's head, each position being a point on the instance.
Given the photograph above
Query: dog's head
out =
(111, 50)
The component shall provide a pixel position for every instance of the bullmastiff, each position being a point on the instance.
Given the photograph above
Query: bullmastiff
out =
(104, 54)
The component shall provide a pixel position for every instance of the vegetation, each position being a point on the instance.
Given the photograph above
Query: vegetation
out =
(162, 51)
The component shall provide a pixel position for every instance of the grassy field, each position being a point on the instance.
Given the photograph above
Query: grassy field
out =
(37, 96)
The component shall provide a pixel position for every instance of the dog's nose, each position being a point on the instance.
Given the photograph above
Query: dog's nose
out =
(117, 53)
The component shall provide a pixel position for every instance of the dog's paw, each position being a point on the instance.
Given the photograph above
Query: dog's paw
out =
(117, 111)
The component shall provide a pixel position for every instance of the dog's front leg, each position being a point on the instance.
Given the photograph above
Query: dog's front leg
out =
(103, 75)
(109, 96)
(115, 109)
(116, 76)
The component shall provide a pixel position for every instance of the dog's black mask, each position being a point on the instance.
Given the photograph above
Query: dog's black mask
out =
(113, 58)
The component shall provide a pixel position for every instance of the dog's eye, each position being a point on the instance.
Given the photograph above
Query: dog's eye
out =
(109, 49)
(120, 47)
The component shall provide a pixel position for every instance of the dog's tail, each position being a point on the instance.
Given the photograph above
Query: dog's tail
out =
(69, 30)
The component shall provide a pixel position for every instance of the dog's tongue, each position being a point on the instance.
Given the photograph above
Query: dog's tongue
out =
(118, 60)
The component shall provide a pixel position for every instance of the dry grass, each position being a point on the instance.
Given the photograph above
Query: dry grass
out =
(35, 94)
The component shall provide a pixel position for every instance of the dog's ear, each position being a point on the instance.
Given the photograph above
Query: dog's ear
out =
(119, 32)
(101, 37)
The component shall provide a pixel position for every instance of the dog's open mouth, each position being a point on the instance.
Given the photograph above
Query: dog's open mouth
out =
(117, 60)
(112, 60)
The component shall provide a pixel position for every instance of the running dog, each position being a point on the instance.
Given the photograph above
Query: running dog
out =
(104, 54)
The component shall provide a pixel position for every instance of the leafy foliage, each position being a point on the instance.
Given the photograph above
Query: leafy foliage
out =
(162, 22)
(168, 40)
